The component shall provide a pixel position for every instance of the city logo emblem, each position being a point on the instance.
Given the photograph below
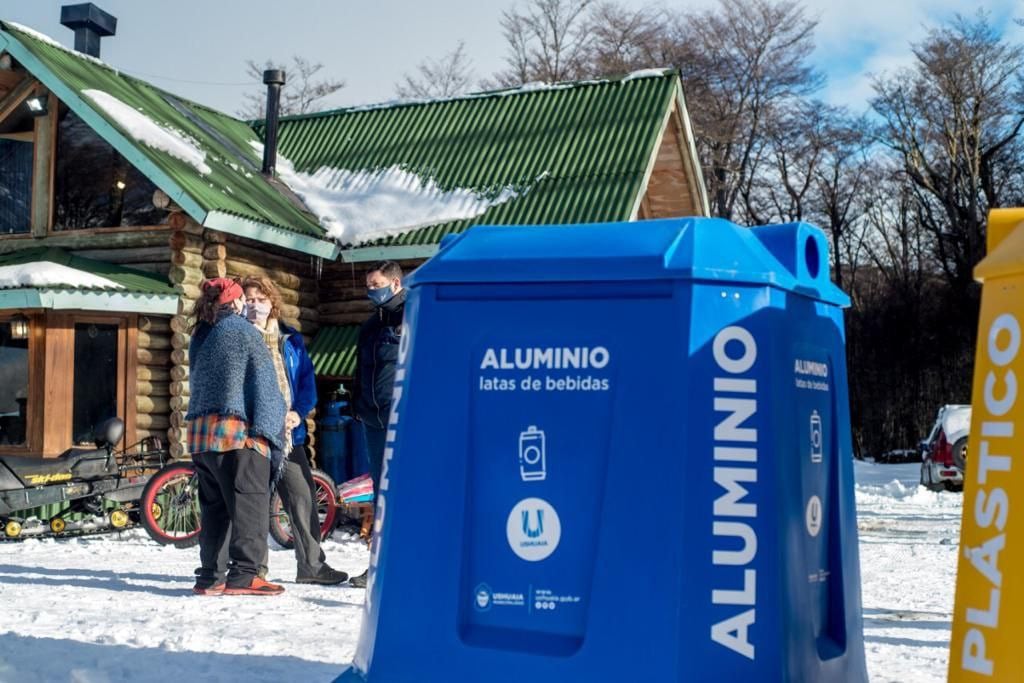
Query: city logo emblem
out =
(483, 598)
(533, 529)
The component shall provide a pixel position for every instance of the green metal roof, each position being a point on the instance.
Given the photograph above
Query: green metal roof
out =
(333, 351)
(578, 152)
(131, 290)
(233, 196)
(130, 281)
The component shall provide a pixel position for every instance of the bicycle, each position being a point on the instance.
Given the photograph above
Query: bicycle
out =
(169, 507)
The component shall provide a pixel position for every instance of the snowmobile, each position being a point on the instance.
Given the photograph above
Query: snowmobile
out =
(101, 486)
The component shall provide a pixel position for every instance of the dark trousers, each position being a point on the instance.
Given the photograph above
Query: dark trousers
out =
(234, 504)
(376, 440)
(298, 494)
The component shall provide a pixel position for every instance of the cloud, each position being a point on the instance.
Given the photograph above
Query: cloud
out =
(859, 40)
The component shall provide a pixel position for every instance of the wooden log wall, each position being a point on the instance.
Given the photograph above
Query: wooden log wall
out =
(343, 292)
(188, 241)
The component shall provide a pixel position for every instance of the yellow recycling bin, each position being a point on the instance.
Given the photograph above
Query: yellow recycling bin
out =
(988, 617)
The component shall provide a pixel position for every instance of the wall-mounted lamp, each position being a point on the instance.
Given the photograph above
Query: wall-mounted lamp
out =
(37, 105)
(19, 327)
(120, 185)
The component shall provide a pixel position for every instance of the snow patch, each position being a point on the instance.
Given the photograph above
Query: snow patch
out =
(147, 131)
(43, 38)
(361, 206)
(645, 73)
(47, 274)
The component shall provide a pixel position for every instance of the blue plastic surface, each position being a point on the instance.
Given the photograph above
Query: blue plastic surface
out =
(618, 453)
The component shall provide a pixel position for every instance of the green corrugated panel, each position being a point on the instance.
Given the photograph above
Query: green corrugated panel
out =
(132, 281)
(333, 351)
(234, 184)
(578, 152)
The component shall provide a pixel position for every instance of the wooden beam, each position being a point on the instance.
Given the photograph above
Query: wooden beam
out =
(14, 99)
(43, 153)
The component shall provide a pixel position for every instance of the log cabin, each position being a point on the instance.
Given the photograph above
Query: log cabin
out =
(119, 198)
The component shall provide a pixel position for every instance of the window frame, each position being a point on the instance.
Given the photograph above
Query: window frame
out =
(52, 362)
(34, 408)
(44, 170)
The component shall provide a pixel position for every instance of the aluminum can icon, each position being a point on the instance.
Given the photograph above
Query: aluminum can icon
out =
(817, 439)
(532, 455)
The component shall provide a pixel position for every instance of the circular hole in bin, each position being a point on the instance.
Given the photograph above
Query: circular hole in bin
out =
(812, 257)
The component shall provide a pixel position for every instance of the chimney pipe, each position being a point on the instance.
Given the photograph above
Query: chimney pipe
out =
(273, 79)
(90, 24)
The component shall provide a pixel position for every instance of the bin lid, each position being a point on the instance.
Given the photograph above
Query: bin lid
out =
(792, 257)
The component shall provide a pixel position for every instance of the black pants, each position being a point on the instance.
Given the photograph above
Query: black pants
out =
(298, 494)
(234, 504)
(376, 442)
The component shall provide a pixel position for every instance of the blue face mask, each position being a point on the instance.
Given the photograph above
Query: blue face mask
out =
(380, 296)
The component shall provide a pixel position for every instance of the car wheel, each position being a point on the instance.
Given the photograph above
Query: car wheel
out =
(960, 454)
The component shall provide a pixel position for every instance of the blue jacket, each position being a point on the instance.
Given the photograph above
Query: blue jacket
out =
(301, 378)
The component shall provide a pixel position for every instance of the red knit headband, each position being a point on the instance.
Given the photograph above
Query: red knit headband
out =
(229, 289)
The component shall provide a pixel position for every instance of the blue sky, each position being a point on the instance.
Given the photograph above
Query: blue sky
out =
(198, 48)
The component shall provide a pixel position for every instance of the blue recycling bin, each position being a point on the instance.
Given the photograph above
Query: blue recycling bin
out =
(618, 452)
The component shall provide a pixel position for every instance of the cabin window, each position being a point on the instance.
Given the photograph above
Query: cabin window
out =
(14, 377)
(94, 186)
(95, 379)
(16, 152)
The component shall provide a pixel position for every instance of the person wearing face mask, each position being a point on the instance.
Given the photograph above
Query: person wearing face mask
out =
(236, 436)
(297, 381)
(377, 353)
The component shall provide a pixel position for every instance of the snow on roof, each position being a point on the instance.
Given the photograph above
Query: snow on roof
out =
(147, 131)
(645, 73)
(362, 206)
(44, 274)
(43, 38)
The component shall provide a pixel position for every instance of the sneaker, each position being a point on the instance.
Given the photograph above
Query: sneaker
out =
(326, 576)
(257, 587)
(359, 581)
(215, 589)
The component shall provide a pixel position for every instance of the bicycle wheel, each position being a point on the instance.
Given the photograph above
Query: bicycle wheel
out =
(327, 508)
(169, 507)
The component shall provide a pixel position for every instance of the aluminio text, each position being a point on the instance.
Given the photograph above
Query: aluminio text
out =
(735, 470)
(547, 358)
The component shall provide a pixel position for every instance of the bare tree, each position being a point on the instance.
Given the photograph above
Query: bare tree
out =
(445, 77)
(623, 39)
(547, 41)
(741, 63)
(303, 91)
(954, 122)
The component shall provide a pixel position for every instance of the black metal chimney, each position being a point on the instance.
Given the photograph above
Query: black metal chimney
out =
(273, 79)
(90, 24)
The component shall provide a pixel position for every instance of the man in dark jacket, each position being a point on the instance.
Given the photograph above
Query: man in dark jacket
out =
(378, 356)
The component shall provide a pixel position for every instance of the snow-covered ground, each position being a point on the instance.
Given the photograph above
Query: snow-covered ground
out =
(909, 540)
(118, 608)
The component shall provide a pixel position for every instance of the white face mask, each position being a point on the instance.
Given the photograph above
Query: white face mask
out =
(258, 312)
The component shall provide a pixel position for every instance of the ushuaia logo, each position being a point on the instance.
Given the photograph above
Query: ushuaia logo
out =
(735, 457)
(533, 529)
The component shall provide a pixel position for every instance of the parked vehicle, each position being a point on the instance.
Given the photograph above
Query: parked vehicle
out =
(944, 452)
(170, 507)
(101, 485)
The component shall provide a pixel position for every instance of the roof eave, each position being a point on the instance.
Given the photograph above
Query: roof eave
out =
(269, 234)
(89, 300)
(388, 253)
